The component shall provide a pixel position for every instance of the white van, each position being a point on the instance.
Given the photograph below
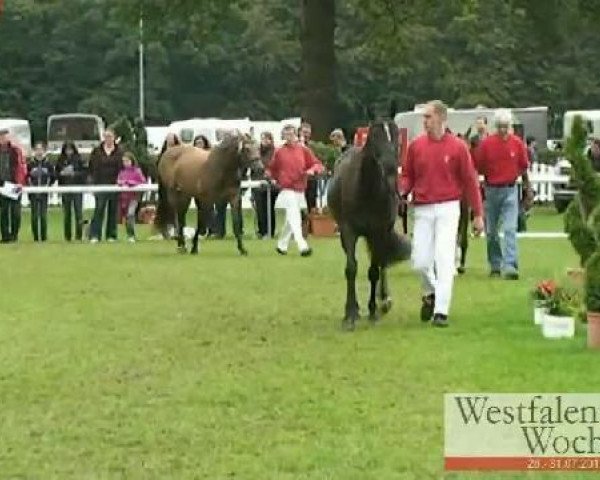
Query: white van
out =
(19, 131)
(156, 137)
(83, 129)
(214, 129)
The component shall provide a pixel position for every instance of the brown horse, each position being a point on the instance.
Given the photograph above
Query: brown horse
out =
(207, 176)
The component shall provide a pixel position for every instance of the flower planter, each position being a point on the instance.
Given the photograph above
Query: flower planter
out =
(577, 275)
(539, 311)
(322, 225)
(558, 327)
(593, 329)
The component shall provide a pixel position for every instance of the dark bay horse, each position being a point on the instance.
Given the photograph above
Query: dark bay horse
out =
(363, 199)
(207, 176)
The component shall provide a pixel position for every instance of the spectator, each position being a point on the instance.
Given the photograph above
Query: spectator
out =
(130, 176)
(170, 141)
(9, 166)
(40, 174)
(594, 154)
(70, 171)
(15, 205)
(338, 139)
(531, 149)
(291, 165)
(260, 195)
(200, 141)
(105, 163)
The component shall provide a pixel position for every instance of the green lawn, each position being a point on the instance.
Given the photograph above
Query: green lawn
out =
(128, 361)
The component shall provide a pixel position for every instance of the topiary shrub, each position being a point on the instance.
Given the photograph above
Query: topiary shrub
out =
(582, 217)
(592, 283)
(581, 235)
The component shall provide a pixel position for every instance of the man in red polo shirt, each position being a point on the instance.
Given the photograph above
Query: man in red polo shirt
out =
(501, 158)
(438, 170)
(290, 167)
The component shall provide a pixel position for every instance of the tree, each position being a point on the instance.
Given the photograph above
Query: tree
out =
(319, 93)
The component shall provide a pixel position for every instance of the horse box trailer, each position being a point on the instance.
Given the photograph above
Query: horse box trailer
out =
(529, 121)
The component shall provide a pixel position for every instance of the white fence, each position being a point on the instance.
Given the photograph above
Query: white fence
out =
(543, 179)
(88, 191)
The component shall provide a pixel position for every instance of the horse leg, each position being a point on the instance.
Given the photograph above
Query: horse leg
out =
(349, 239)
(180, 221)
(404, 216)
(200, 226)
(236, 215)
(386, 300)
(373, 279)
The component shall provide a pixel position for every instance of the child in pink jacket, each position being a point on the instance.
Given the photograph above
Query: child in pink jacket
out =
(130, 176)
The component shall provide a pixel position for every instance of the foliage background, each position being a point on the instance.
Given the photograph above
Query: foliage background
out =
(240, 58)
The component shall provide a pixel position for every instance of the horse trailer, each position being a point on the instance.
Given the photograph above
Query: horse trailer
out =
(529, 121)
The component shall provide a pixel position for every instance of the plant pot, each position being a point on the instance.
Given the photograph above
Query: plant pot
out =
(555, 326)
(322, 225)
(593, 329)
(539, 311)
(577, 275)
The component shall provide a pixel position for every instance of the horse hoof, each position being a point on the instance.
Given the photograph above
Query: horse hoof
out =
(386, 305)
(348, 325)
(181, 250)
(461, 270)
(244, 253)
(373, 317)
(194, 251)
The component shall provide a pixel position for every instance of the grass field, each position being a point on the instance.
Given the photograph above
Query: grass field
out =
(128, 361)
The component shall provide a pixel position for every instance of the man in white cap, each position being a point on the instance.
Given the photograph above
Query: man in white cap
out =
(502, 158)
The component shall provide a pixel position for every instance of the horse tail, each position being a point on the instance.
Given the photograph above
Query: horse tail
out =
(164, 212)
(162, 207)
(389, 247)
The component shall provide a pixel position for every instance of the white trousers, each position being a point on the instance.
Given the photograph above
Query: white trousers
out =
(292, 202)
(433, 250)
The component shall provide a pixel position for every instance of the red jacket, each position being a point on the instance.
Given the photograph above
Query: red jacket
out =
(291, 165)
(440, 171)
(500, 161)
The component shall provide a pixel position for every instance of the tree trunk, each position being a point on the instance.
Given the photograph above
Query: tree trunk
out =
(318, 87)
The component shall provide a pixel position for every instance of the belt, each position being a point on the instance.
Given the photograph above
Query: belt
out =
(500, 185)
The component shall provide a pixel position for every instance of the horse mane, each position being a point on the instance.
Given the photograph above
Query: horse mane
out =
(224, 152)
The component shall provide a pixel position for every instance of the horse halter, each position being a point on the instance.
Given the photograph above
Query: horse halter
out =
(387, 131)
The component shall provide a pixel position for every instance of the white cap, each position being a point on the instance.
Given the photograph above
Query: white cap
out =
(503, 116)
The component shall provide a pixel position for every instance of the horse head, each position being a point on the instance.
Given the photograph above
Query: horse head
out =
(382, 145)
(248, 153)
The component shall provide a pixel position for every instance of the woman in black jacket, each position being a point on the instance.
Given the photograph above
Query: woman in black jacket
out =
(70, 171)
(40, 173)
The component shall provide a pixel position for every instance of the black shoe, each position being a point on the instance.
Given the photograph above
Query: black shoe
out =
(306, 253)
(495, 273)
(428, 302)
(280, 251)
(440, 320)
(511, 276)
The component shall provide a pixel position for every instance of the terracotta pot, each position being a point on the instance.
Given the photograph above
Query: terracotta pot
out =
(577, 275)
(322, 225)
(593, 326)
